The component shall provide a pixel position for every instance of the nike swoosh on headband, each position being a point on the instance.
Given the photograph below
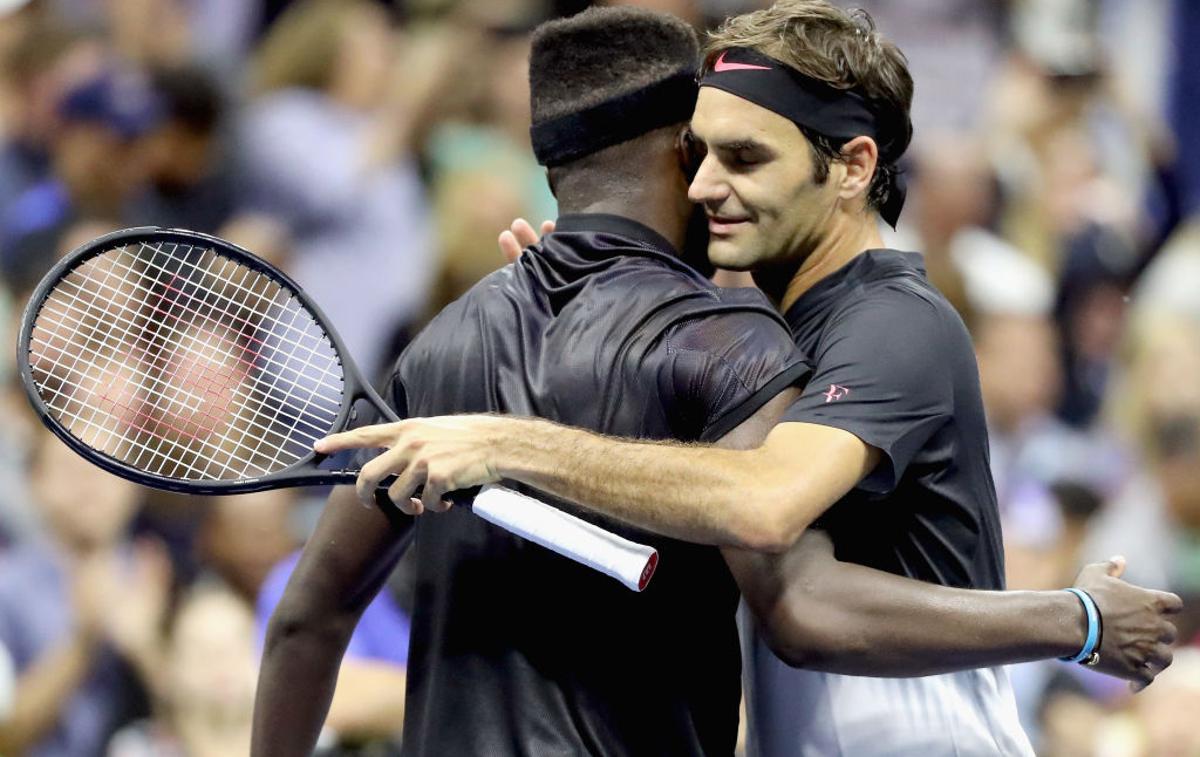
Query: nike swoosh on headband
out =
(720, 66)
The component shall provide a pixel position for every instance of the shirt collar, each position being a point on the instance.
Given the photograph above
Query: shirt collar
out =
(607, 223)
(871, 265)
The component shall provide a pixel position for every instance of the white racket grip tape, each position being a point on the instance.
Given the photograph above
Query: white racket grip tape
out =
(627, 561)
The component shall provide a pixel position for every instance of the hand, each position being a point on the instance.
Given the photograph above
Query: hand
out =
(519, 236)
(441, 454)
(93, 586)
(1137, 634)
(134, 624)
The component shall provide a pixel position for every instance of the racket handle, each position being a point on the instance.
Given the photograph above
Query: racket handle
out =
(627, 561)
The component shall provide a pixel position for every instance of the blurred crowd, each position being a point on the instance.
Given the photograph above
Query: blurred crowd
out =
(375, 149)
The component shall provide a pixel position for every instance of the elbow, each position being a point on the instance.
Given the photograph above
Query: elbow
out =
(803, 635)
(774, 521)
(298, 623)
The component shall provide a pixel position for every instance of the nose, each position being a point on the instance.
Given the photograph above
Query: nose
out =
(708, 187)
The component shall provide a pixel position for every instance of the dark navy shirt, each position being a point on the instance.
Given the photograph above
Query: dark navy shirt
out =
(894, 365)
(515, 650)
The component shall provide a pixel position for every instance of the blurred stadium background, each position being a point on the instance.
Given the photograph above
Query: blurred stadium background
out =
(375, 150)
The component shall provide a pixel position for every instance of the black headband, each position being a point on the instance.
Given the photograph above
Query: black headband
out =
(566, 138)
(836, 113)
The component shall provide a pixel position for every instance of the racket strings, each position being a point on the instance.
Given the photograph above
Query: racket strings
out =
(145, 339)
(185, 363)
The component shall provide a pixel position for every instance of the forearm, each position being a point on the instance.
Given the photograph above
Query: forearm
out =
(296, 683)
(695, 493)
(845, 618)
(42, 691)
(344, 564)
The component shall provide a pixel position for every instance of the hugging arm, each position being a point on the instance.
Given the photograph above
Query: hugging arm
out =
(820, 613)
(344, 564)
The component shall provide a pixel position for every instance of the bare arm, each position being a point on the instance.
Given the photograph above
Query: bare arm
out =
(819, 613)
(760, 499)
(815, 611)
(342, 568)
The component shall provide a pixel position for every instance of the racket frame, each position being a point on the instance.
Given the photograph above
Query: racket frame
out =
(303, 472)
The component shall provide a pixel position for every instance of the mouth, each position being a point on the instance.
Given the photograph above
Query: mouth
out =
(726, 225)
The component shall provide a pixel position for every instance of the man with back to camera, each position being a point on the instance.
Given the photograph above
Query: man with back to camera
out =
(881, 426)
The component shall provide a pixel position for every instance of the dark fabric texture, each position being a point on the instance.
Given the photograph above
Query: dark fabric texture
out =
(894, 365)
(515, 650)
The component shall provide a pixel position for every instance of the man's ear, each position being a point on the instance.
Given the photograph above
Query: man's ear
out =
(860, 157)
(550, 181)
(685, 148)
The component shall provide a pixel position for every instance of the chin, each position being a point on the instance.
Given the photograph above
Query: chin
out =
(728, 254)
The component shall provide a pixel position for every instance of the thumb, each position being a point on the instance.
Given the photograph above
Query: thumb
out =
(1115, 566)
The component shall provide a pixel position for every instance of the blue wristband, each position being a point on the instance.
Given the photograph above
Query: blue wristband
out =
(1093, 627)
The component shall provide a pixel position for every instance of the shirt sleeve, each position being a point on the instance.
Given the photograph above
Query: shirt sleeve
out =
(880, 373)
(721, 369)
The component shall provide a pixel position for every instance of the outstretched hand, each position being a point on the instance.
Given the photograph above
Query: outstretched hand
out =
(441, 455)
(1137, 632)
(520, 235)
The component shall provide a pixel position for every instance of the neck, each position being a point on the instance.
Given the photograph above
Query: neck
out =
(639, 180)
(654, 217)
(849, 237)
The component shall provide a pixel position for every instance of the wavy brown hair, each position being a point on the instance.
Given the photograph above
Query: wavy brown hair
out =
(843, 49)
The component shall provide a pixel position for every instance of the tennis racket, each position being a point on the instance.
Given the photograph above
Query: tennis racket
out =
(180, 361)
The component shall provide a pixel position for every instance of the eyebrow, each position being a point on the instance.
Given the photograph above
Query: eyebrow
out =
(737, 145)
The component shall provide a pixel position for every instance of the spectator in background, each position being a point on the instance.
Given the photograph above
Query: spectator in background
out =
(209, 670)
(43, 60)
(1045, 532)
(1155, 517)
(1017, 346)
(242, 538)
(1164, 717)
(94, 169)
(326, 149)
(1073, 160)
(190, 180)
(951, 46)
(952, 202)
(81, 665)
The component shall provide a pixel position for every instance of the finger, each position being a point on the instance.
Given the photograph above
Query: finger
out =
(524, 233)
(376, 435)
(1169, 633)
(401, 490)
(1162, 657)
(510, 248)
(394, 461)
(431, 495)
(548, 227)
(1115, 566)
(1169, 603)
(409, 506)
(1143, 678)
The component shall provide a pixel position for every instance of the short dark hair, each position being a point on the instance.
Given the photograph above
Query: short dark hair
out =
(579, 62)
(842, 49)
(191, 96)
